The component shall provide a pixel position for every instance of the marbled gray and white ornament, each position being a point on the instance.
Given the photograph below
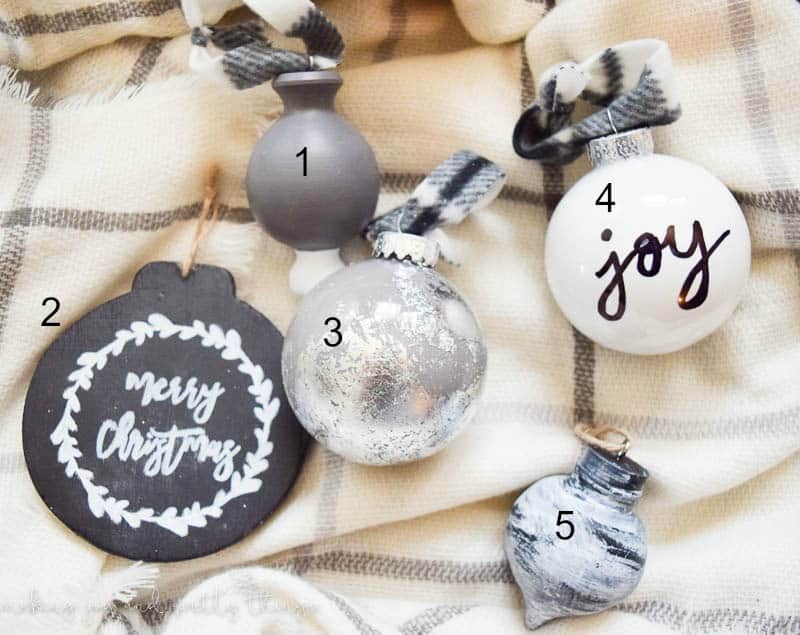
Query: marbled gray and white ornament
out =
(384, 361)
(573, 542)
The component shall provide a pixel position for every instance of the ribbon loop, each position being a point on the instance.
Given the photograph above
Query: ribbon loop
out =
(248, 57)
(632, 82)
(463, 183)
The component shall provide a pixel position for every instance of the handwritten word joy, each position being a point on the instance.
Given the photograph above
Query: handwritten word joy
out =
(163, 450)
(647, 251)
(200, 400)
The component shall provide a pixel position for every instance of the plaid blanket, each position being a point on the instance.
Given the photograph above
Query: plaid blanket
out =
(102, 171)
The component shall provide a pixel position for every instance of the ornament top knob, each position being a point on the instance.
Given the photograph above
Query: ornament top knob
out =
(307, 90)
(400, 246)
(619, 479)
(624, 145)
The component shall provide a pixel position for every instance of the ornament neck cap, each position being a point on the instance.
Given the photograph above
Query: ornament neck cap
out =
(399, 246)
(617, 147)
(619, 479)
(307, 90)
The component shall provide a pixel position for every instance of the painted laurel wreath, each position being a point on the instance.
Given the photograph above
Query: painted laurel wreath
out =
(241, 482)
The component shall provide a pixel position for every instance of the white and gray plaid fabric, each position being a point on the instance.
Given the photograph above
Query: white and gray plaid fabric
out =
(633, 83)
(463, 183)
(248, 58)
(103, 171)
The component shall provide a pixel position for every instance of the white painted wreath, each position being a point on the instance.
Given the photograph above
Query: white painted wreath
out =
(230, 346)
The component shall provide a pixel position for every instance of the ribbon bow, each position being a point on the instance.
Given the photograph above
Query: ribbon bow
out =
(463, 183)
(248, 57)
(632, 81)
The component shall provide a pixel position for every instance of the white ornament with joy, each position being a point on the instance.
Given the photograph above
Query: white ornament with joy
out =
(647, 253)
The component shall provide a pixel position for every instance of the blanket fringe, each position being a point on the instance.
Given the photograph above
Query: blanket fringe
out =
(123, 585)
(14, 88)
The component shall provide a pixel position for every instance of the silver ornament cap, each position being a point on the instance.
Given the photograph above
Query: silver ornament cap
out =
(620, 146)
(410, 247)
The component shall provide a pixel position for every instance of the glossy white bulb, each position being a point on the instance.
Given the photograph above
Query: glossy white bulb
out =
(665, 267)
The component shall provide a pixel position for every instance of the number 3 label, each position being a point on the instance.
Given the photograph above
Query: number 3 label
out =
(335, 332)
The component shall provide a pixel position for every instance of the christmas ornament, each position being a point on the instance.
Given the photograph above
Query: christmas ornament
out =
(573, 542)
(646, 253)
(312, 180)
(157, 427)
(384, 361)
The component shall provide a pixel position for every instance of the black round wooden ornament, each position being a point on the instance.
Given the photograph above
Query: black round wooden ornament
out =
(157, 426)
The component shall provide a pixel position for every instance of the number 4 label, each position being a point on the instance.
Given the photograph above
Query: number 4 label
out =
(609, 201)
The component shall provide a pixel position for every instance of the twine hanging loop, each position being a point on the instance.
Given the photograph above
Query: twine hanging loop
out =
(209, 214)
(606, 437)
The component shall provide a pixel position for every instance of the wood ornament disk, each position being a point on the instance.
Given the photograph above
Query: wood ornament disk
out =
(157, 426)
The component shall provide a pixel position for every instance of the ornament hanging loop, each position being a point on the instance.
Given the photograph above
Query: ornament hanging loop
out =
(598, 437)
(209, 213)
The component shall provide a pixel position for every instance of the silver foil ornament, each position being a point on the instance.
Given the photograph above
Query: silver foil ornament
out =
(385, 361)
(573, 542)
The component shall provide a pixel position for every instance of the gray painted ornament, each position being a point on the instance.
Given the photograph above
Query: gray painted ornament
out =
(573, 542)
(385, 361)
(313, 180)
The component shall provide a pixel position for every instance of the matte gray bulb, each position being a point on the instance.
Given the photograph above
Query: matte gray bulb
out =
(320, 197)
(573, 542)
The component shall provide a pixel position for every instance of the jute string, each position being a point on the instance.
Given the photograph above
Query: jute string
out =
(609, 438)
(209, 214)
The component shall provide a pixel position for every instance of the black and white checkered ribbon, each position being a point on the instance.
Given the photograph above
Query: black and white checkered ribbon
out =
(248, 58)
(463, 183)
(632, 81)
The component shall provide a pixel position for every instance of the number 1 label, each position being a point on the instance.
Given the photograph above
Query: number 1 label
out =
(304, 153)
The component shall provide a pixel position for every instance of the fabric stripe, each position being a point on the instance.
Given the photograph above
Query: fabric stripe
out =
(105, 13)
(712, 620)
(146, 61)
(583, 350)
(756, 94)
(779, 202)
(12, 246)
(332, 477)
(106, 221)
(758, 113)
(359, 622)
(398, 20)
(433, 617)
(583, 356)
(11, 36)
(528, 91)
(785, 202)
(329, 495)
(362, 563)
(664, 613)
(779, 424)
(114, 615)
